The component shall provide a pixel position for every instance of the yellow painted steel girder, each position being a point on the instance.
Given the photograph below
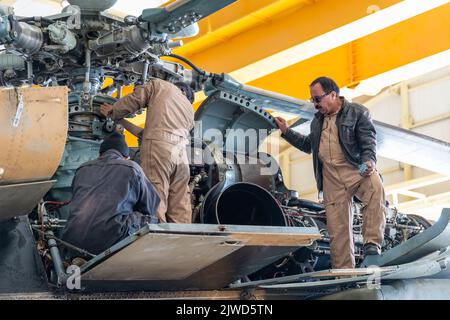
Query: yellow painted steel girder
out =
(387, 49)
(228, 45)
(366, 57)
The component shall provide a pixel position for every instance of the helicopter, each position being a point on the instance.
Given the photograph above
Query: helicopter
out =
(54, 70)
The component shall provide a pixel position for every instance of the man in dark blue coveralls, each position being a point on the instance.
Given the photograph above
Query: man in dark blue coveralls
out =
(112, 198)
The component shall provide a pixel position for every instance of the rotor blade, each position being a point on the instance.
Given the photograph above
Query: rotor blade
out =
(182, 13)
(265, 99)
(413, 148)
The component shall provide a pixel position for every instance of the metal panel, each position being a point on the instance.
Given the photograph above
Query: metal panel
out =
(223, 111)
(431, 240)
(20, 199)
(259, 235)
(166, 259)
(253, 235)
(163, 257)
(33, 131)
(417, 289)
(427, 266)
(173, 17)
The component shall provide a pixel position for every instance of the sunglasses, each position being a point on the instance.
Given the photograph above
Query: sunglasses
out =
(317, 99)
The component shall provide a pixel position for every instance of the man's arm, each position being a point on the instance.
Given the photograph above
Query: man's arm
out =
(147, 197)
(296, 139)
(367, 139)
(129, 104)
(131, 128)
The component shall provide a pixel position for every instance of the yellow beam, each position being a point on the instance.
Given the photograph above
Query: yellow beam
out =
(333, 39)
(237, 16)
(377, 53)
(276, 26)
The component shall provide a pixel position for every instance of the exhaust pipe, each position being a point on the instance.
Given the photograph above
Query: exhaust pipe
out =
(241, 204)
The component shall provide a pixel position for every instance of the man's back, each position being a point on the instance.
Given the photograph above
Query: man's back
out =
(112, 198)
(169, 112)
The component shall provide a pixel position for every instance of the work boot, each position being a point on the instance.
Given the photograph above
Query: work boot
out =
(371, 249)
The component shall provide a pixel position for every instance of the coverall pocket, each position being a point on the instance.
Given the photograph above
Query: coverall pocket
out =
(348, 132)
(329, 204)
(365, 191)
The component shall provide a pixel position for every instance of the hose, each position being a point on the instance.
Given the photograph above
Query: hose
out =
(193, 66)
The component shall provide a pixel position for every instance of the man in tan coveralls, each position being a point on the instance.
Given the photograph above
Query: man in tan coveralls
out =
(343, 143)
(170, 118)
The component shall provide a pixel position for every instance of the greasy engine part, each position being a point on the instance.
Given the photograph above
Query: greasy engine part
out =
(230, 193)
(86, 129)
(230, 188)
(399, 228)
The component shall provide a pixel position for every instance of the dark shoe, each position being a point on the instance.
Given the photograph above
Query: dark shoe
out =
(371, 249)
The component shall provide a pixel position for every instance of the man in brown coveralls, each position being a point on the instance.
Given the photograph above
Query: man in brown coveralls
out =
(170, 118)
(343, 143)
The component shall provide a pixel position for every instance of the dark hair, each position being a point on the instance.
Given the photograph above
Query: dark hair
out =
(327, 84)
(187, 90)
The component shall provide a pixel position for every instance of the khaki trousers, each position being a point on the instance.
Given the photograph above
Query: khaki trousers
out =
(338, 205)
(166, 166)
